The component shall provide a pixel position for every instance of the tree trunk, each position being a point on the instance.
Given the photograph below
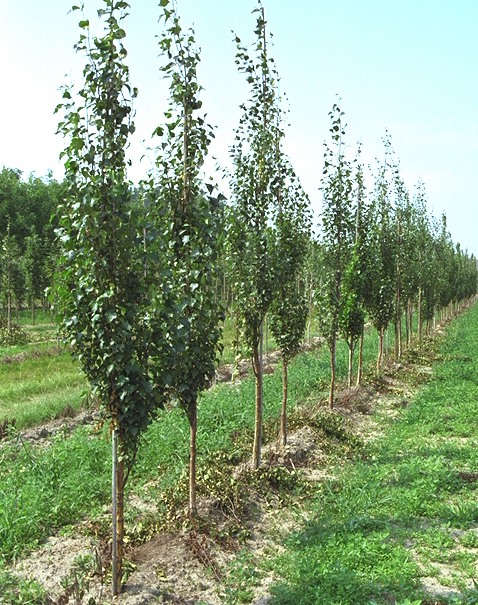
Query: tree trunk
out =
(332, 373)
(193, 419)
(360, 360)
(420, 314)
(398, 334)
(410, 321)
(285, 388)
(398, 324)
(118, 512)
(351, 361)
(258, 371)
(9, 300)
(380, 348)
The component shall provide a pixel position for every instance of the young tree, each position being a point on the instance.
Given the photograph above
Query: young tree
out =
(357, 277)
(253, 200)
(381, 301)
(189, 218)
(289, 308)
(34, 258)
(337, 236)
(109, 306)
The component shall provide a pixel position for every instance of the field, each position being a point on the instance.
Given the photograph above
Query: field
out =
(372, 503)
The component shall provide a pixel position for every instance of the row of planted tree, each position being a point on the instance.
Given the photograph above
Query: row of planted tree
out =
(144, 269)
(29, 253)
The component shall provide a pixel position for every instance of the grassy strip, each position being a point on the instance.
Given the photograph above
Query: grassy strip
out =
(39, 388)
(410, 513)
(15, 591)
(42, 490)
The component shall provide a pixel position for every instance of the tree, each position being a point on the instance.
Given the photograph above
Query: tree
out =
(109, 306)
(188, 215)
(337, 236)
(35, 269)
(289, 308)
(356, 280)
(381, 306)
(252, 206)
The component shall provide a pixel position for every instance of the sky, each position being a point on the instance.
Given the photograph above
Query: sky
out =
(408, 67)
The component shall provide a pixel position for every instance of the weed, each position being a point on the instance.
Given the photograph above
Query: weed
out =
(13, 590)
(243, 574)
(77, 582)
(469, 539)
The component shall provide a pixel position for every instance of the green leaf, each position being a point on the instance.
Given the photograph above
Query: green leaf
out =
(111, 316)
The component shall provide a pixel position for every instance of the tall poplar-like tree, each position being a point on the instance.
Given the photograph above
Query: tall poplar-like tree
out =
(382, 299)
(253, 201)
(289, 308)
(187, 214)
(109, 306)
(337, 236)
(357, 277)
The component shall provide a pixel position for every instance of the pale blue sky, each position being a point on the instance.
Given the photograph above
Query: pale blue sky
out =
(408, 66)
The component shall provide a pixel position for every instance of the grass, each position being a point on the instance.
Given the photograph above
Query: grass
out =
(374, 532)
(15, 591)
(42, 490)
(40, 387)
(386, 523)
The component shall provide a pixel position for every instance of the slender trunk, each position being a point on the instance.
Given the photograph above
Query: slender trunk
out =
(380, 348)
(400, 338)
(411, 322)
(9, 300)
(118, 513)
(351, 361)
(193, 419)
(114, 536)
(420, 320)
(285, 388)
(360, 360)
(332, 372)
(258, 371)
(398, 328)
(396, 339)
(311, 309)
(9, 282)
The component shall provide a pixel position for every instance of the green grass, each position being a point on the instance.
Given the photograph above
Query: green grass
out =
(385, 523)
(15, 591)
(40, 387)
(41, 491)
(24, 317)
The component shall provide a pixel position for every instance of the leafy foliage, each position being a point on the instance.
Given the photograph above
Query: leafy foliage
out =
(108, 304)
(254, 187)
(337, 234)
(187, 215)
